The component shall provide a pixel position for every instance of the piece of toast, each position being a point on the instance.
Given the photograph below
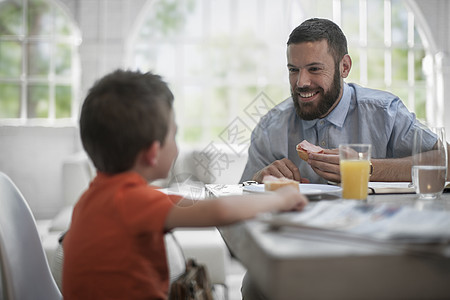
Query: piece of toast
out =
(304, 148)
(272, 183)
(302, 154)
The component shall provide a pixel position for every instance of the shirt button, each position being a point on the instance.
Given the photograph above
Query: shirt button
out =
(323, 143)
(321, 122)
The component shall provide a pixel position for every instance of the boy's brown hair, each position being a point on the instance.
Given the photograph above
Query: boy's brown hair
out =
(124, 113)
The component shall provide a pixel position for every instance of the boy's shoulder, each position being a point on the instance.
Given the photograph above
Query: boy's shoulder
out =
(122, 184)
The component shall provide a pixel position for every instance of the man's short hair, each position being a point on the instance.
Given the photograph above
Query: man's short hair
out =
(124, 113)
(313, 30)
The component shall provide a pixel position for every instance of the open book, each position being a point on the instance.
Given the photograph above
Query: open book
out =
(376, 187)
(391, 188)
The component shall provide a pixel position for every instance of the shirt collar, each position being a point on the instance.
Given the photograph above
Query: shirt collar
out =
(308, 124)
(339, 113)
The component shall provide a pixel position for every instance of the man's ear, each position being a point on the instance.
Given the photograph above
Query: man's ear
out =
(151, 155)
(346, 65)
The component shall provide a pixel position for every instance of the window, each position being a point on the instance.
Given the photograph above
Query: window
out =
(222, 57)
(387, 52)
(39, 68)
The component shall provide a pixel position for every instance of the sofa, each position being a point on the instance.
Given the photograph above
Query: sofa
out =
(197, 167)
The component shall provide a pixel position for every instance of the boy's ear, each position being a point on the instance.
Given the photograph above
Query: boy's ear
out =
(151, 155)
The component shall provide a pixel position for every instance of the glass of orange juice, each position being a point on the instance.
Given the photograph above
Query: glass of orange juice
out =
(354, 160)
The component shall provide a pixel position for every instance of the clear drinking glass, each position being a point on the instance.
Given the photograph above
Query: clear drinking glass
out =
(354, 161)
(429, 167)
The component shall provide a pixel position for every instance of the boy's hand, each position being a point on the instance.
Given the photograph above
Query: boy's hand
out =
(291, 199)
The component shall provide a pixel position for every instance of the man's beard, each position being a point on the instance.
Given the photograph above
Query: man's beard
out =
(324, 104)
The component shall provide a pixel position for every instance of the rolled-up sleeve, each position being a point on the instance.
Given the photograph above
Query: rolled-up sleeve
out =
(402, 137)
(269, 140)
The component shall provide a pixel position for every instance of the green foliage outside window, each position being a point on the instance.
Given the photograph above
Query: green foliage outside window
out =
(38, 101)
(8, 107)
(10, 58)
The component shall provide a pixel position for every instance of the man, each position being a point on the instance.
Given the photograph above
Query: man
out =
(327, 112)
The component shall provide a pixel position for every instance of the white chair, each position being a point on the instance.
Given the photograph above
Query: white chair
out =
(24, 269)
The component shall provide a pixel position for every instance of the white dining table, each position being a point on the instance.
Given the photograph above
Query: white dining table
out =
(293, 263)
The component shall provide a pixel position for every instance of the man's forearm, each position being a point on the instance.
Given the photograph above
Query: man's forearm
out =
(398, 169)
(393, 169)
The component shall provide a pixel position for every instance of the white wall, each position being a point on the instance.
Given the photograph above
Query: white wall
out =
(32, 156)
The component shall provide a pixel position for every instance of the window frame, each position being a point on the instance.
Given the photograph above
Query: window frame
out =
(52, 80)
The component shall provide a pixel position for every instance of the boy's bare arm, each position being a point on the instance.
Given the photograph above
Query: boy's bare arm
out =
(226, 210)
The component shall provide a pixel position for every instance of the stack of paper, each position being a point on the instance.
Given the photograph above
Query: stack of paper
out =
(381, 221)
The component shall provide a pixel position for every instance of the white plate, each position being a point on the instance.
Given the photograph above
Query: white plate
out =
(308, 189)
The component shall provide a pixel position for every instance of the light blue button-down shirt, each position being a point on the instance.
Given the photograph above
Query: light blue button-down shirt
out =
(362, 116)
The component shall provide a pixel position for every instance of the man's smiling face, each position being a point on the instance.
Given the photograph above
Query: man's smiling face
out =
(315, 79)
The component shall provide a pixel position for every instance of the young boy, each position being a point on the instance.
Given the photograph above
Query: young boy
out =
(115, 248)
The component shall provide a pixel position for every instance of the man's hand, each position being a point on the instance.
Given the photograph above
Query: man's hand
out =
(326, 164)
(280, 168)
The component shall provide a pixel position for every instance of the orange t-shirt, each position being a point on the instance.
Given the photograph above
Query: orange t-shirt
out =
(115, 247)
